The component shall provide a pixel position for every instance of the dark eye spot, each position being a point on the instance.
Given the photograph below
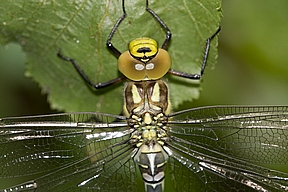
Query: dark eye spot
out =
(144, 50)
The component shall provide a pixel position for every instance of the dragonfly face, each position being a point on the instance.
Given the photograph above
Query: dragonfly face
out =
(144, 60)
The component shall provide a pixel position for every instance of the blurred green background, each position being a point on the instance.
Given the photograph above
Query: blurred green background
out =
(251, 67)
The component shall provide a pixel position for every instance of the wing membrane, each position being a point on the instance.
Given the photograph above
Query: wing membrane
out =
(258, 133)
(79, 150)
(225, 143)
(210, 148)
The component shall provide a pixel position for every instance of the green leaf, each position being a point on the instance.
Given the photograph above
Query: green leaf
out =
(80, 30)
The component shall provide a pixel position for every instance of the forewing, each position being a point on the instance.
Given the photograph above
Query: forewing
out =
(73, 151)
(226, 143)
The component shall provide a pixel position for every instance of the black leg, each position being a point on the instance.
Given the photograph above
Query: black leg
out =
(118, 53)
(206, 53)
(85, 77)
(108, 42)
(168, 32)
(111, 47)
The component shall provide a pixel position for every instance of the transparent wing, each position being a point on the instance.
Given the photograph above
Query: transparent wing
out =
(73, 151)
(222, 148)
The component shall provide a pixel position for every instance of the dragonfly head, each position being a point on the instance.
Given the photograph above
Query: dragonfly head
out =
(144, 60)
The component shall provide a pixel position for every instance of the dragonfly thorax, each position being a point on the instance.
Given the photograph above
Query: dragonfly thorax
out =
(146, 98)
(147, 104)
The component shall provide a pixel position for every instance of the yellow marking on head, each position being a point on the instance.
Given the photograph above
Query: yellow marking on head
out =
(134, 70)
(144, 60)
(143, 48)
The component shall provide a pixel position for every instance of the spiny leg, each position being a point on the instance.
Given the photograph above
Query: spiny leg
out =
(111, 47)
(116, 51)
(168, 32)
(86, 78)
(108, 42)
(206, 53)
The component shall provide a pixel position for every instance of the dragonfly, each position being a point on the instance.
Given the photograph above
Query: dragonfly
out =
(212, 148)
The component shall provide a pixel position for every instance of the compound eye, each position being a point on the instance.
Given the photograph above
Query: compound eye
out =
(131, 67)
(135, 70)
(157, 67)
